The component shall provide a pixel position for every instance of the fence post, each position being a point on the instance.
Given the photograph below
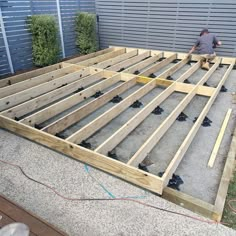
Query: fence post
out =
(60, 28)
(6, 42)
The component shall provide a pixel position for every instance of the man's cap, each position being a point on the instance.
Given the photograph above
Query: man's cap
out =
(205, 30)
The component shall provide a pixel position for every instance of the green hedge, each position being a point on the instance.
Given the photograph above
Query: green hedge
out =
(44, 39)
(85, 28)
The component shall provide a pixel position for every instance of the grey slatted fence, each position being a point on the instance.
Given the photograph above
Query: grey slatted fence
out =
(166, 24)
(14, 15)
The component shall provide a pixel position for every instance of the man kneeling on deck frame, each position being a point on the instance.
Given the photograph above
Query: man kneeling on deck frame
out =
(205, 45)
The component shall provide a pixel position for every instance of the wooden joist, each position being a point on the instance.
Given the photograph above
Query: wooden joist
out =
(30, 99)
(43, 88)
(187, 141)
(106, 117)
(110, 62)
(101, 58)
(87, 109)
(159, 65)
(140, 155)
(129, 62)
(29, 83)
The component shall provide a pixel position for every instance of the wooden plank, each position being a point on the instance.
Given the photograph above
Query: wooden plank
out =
(143, 64)
(173, 69)
(38, 90)
(106, 117)
(36, 103)
(118, 59)
(194, 57)
(201, 90)
(5, 219)
(188, 140)
(87, 109)
(194, 204)
(67, 103)
(101, 58)
(189, 72)
(88, 56)
(225, 60)
(179, 87)
(129, 62)
(158, 66)
(37, 226)
(20, 86)
(129, 126)
(24, 76)
(225, 179)
(116, 168)
(140, 155)
(219, 139)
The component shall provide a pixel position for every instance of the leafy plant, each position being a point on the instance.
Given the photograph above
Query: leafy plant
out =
(85, 27)
(45, 44)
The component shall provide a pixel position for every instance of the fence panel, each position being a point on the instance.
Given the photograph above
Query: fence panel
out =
(15, 13)
(4, 65)
(166, 25)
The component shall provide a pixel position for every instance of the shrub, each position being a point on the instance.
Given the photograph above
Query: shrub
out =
(45, 44)
(85, 27)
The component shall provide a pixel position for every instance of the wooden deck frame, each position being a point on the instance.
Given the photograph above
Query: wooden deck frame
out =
(34, 97)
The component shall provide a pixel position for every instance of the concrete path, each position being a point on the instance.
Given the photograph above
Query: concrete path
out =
(70, 178)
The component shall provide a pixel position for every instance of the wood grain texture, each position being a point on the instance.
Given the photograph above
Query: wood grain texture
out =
(150, 143)
(189, 138)
(87, 109)
(117, 59)
(129, 62)
(29, 83)
(27, 75)
(106, 117)
(14, 213)
(116, 168)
